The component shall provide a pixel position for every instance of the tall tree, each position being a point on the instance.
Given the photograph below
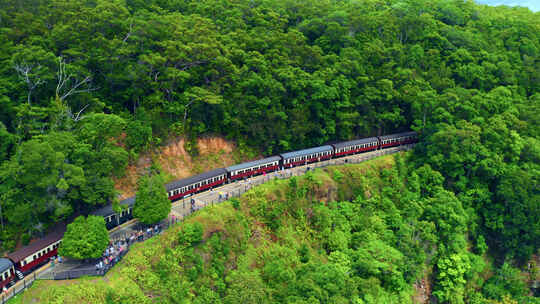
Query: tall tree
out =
(85, 238)
(151, 204)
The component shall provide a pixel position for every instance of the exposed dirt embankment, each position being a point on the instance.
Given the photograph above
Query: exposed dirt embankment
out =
(214, 152)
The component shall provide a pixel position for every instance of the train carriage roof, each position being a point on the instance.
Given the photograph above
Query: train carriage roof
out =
(307, 151)
(399, 135)
(5, 264)
(253, 163)
(194, 179)
(355, 142)
(37, 245)
(108, 210)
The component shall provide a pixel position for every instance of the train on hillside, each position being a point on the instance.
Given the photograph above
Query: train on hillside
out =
(40, 251)
(15, 265)
(188, 186)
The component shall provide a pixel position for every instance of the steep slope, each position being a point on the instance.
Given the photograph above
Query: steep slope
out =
(335, 235)
(376, 232)
(214, 152)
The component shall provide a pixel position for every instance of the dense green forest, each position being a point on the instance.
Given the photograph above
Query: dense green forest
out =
(85, 86)
(368, 233)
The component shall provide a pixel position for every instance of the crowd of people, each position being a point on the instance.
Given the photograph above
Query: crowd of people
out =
(112, 254)
(119, 247)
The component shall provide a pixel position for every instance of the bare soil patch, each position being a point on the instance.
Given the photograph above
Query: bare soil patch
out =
(214, 152)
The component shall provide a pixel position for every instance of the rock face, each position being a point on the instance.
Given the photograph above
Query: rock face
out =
(214, 152)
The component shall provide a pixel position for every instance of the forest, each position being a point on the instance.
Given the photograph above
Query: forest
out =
(384, 231)
(87, 86)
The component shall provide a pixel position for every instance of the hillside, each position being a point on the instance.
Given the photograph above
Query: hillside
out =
(89, 89)
(92, 89)
(176, 163)
(367, 233)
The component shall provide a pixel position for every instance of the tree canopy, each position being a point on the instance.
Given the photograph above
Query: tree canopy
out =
(87, 85)
(85, 238)
(151, 202)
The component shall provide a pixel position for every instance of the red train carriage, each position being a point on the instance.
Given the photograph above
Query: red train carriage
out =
(37, 252)
(398, 139)
(306, 156)
(180, 188)
(253, 168)
(355, 146)
(7, 272)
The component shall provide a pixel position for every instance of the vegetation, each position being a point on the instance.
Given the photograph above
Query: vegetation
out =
(86, 85)
(151, 204)
(351, 234)
(85, 238)
(278, 75)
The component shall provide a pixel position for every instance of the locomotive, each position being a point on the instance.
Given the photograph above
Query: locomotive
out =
(38, 252)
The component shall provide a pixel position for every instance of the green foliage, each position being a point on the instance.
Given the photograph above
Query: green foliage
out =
(191, 234)
(450, 272)
(7, 142)
(370, 249)
(151, 203)
(506, 281)
(280, 76)
(138, 136)
(85, 238)
(235, 203)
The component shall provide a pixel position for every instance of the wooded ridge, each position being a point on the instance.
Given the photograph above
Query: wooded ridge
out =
(87, 85)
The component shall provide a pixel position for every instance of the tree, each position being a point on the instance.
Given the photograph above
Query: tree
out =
(245, 287)
(85, 238)
(198, 94)
(506, 281)
(151, 204)
(191, 234)
(138, 135)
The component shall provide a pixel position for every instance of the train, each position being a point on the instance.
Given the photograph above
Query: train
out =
(17, 264)
(24, 260)
(182, 188)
